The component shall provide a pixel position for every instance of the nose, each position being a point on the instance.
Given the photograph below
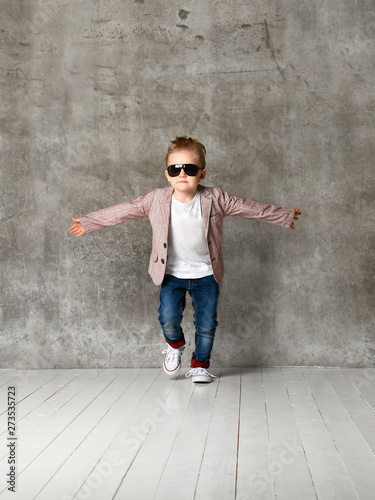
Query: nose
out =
(182, 173)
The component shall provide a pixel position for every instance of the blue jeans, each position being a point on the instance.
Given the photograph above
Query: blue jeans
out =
(205, 294)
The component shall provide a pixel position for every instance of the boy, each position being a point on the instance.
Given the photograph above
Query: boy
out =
(187, 225)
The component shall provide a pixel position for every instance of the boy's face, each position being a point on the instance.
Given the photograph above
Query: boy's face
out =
(184, 185)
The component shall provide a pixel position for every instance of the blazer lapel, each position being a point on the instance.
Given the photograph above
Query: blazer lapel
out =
(165, 209)
(206, 203)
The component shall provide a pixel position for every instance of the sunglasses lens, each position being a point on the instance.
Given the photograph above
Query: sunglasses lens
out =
(191, 170)
(173, 171)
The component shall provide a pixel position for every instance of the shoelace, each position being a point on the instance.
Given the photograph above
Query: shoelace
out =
(172, 354)
(199, 371)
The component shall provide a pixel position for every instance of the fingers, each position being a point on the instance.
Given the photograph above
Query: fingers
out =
(296, 212)
(76, 229)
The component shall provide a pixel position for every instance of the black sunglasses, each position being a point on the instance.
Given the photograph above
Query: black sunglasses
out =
(189, 169)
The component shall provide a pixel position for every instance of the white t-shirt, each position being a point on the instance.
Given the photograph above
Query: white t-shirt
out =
(188, 256)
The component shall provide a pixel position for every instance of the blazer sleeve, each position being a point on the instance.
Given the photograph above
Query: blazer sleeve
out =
(118, 214)
(249, 209)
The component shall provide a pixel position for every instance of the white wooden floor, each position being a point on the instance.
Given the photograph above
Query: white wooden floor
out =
(285, 433)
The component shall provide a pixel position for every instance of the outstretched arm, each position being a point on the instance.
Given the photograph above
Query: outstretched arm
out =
(296, 213)
(77, 228)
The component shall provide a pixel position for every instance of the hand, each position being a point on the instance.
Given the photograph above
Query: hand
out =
(296, 213)
(77, 228)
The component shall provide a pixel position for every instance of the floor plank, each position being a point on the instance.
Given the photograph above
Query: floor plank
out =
(181, 470)
(291, 475)
(37, 441)
(357, 394)
(57, 395)
(9, 377)
(329, 475)
(154, 401)
(217, 474)
(38, 390)
(252, 434)
(254, 451)
(86, 414)
(157, 445)
(78, 460)
(357, 456)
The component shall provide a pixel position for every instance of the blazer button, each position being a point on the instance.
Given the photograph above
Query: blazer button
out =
(165, 245)
(162, 261)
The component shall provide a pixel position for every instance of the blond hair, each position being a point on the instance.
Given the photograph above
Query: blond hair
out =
(187, 144)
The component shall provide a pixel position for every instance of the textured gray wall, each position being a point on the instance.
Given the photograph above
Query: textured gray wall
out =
(282, 95)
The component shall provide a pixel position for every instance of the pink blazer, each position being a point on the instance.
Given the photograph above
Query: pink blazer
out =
(156, 205)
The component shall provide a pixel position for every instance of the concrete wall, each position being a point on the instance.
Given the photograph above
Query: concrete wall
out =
(282, 95)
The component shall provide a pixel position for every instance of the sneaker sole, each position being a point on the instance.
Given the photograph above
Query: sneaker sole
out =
(203, 380)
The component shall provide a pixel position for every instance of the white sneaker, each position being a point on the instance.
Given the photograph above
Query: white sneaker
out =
(172, 360)
(200, 375)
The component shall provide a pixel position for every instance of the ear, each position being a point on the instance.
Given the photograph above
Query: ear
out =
(203, 175)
